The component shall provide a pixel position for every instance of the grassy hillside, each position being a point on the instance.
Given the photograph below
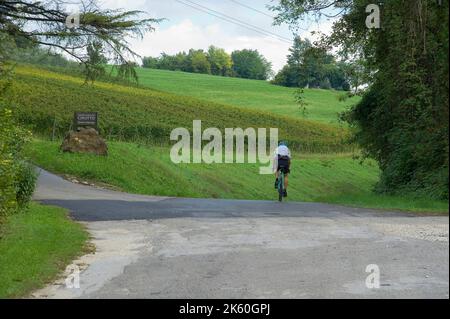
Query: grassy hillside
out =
(323, 105)
(46, 99)
(321, 178)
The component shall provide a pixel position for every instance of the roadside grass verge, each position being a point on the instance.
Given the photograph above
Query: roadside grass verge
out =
(329, 178)
(35, 245)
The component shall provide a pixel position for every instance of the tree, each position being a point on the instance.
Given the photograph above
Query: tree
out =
(297, 51)
(296, 73)
(44, 23)
(181, 62)
(96, 62)
(250, 64)
(287, 76)
(219, 60)
(311, 66)
(150, 62)
(166, 62)
(245, 63)
(198, 62)
(402, 119)
(355, 74)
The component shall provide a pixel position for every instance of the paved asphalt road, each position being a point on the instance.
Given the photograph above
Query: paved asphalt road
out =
(154, 247)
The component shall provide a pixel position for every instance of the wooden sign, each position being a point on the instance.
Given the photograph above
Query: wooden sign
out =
(85, 119)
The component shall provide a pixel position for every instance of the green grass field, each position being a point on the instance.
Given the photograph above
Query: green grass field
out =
(147, 115)
(36, 244)
(46, 100)
(323, 105)
(332, 178)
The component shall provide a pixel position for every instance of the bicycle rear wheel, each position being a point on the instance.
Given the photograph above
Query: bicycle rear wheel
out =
(281, 187)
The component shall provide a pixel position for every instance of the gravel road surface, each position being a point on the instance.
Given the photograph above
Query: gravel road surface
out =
(155, 247)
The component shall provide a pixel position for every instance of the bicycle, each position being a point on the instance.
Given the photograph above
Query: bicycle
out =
(280, 184)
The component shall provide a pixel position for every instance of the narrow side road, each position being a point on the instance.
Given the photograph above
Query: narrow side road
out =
(155, 247)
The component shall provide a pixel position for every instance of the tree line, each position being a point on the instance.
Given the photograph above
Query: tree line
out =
(247, 64)
(309, 66)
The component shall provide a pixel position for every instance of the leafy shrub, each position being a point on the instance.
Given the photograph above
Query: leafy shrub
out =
(25, 182)
(7, 191)
(413, 157)
(16, 179)
(343, 97)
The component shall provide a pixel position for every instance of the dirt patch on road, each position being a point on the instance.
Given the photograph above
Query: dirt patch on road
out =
(116, 246)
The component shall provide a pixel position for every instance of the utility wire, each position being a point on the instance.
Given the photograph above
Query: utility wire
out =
(253, 9)
(259, 11)
(229, 19)
(239, 21)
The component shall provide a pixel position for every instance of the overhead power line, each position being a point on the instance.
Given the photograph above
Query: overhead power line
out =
(235, 21)
(239, 21)
(253, 9)
(259, 11)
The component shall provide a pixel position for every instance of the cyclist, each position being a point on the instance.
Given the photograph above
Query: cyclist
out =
(282, 161)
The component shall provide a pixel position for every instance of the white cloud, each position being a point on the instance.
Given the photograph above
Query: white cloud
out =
(186, 28)
(186, 35)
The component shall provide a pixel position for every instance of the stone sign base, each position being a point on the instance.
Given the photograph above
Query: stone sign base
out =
(86, 140)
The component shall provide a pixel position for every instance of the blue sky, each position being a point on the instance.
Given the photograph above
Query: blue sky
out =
(186, 27)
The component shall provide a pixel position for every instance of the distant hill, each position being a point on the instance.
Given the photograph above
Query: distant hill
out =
(128, 113)
(323, 105)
